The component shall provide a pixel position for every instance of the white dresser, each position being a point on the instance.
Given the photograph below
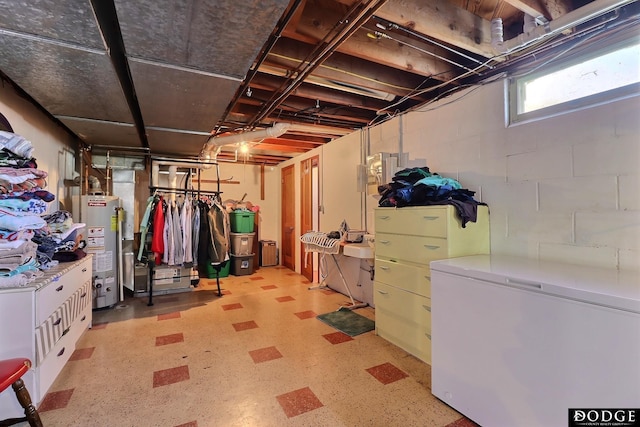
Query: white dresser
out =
(407, 239)
(43, 321)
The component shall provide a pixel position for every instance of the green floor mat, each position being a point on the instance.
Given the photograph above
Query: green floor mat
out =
(347, 321)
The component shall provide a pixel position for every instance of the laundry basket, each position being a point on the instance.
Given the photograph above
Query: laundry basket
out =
(316, 241)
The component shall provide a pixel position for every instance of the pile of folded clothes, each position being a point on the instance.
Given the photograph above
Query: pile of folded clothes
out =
(60, 240)
(421, 187)
(22, 201)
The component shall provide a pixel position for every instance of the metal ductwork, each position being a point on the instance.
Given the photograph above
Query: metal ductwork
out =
(576, 17)
(214, 144)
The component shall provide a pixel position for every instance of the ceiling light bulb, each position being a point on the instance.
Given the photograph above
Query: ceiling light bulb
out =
(244, 148)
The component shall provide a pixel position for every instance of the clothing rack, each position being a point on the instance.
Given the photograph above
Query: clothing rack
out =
(184, 191)
(197, 193)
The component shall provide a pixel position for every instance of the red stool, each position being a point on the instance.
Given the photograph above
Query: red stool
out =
(11, 372)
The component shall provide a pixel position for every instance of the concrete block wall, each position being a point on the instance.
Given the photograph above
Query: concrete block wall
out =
(563, 188)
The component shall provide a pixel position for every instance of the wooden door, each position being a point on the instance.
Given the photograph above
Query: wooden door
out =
(306, 211)
(288, 237)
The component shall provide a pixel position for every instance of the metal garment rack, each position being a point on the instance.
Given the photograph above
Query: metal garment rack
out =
(197, 193)
(318, 242)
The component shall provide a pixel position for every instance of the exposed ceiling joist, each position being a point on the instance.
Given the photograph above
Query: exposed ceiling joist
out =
(195, 70)
(549, 10)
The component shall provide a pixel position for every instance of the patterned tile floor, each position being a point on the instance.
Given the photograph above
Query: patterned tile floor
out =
(256, 356)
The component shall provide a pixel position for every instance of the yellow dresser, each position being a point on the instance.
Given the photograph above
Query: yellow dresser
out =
(407, 239)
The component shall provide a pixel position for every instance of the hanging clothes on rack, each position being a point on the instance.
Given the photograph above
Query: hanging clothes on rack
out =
(219, 230)
(195, 233)
(144, 224)
(157, 241)
(186, 222)
(167, 256)
(178, 249)
(189, 233)
(204, 239)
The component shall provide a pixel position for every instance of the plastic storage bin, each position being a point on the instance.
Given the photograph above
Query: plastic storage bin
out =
(242, 243)
(212, 273)
(242, 221)
(241, 265)
(268, 253)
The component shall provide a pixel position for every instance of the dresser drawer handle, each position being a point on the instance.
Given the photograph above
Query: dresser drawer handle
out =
(427, 335)
(383, 292)
(432, 247)
(84, 270)
(57, 322)
(384, 217)
(427, 277)
(426, 307)
(430, 218)
(59, 288)
(384, 268)
(83, 317)
(61, 352)
(385, 242)
(83, 295)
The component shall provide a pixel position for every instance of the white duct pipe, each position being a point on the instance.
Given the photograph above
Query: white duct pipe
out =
(562, 23)
(173, 180)
(215, 144)
(155, 172)
(94, 185)
(529, 24)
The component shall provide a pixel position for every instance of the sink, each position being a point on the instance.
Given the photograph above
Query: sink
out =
(358, 250)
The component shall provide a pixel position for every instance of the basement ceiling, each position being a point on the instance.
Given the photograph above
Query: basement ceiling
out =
(161, 77)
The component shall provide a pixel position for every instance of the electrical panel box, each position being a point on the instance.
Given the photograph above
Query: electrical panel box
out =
(380, 169)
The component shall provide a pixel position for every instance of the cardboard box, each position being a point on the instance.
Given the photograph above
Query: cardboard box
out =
(268, 253)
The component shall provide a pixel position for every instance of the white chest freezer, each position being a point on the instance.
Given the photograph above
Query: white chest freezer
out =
(517, 342)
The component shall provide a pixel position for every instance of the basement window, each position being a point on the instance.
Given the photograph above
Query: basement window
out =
(596, 78)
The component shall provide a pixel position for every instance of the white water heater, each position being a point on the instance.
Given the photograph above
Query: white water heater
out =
(100, 213)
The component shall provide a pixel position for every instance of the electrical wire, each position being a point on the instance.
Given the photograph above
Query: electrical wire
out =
(379, 34)
(488, 61)
(599, 30)
(348, 73)
(393, 25)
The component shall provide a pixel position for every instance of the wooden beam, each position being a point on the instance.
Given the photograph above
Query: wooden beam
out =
(549, 9)
(353, 117)
(295, 101)
(531, 8)
(383, 51)
(277, 147)
(442, 21)
(311, 91)
(285, 142)
(347, 69)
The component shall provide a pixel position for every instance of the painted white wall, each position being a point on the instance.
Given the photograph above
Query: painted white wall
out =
(565, 188)
(249, 182)
(54, 148)
(339, 196)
